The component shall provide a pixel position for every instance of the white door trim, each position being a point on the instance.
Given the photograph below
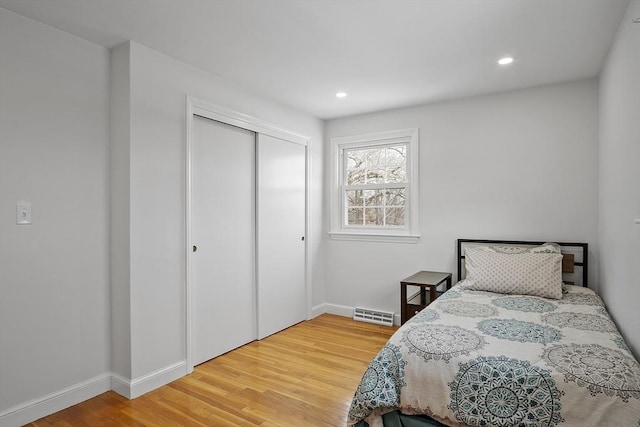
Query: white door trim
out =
(199, 107)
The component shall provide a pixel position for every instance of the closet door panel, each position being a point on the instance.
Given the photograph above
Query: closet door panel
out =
(223, 230)
(281, 234)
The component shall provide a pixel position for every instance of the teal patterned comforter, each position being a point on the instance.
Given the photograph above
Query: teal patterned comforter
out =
(475, 358)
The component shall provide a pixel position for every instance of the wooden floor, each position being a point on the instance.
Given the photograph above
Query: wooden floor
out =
(303, 376)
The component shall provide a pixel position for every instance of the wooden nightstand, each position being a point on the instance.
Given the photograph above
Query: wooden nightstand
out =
(416, 302)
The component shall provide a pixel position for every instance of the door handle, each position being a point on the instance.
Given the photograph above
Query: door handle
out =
(195, 248)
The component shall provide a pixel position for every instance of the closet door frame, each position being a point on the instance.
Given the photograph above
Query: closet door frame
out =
(199, 107)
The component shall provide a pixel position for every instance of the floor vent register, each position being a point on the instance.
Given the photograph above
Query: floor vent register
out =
(373, 316)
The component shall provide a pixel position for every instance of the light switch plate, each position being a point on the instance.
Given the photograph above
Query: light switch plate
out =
(23, 213)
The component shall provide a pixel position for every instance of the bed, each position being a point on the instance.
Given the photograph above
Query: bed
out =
(519, 341)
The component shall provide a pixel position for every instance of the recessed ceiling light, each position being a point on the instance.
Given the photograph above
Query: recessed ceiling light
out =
(505, 61)
(341, 94)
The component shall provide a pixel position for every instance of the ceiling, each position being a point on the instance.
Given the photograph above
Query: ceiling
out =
(384, 54)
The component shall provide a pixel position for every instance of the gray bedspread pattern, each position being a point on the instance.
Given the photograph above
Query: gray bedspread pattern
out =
(475, 358)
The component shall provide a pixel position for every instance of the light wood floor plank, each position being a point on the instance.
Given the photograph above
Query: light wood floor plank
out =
(302, 376)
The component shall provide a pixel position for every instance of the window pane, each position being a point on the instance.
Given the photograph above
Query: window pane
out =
(374, 197)
(355, 216)
(395, 197)
(396, 163)
(375, 172)
(373, 216)
(353, 159)
(354, 198)
(394, 216)
(355, 172)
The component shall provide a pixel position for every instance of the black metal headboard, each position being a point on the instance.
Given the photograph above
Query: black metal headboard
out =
(579, 250)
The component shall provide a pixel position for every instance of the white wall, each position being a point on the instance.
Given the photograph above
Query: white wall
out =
(158, 85)
(514, 165)
(54, 274)
(120, 126)
(619, 180)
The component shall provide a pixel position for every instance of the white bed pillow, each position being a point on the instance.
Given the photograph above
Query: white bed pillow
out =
(547, 248)
(511, 270)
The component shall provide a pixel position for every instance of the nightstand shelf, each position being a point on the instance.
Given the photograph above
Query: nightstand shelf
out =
(413, 304)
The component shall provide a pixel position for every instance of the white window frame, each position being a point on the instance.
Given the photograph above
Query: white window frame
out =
(409, 233)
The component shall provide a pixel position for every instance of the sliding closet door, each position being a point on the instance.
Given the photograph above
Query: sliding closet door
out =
(281, 232)
(223, 233)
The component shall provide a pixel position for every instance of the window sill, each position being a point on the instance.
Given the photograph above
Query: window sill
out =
(374, 237)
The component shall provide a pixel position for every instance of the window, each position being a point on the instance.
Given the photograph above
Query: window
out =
(376, 187)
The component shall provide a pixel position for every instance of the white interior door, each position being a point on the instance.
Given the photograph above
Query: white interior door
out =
(281, 232)
(223, 230)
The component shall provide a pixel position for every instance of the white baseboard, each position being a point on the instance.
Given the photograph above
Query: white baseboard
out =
(146, 383)
(37, 408)
(152, 381)
(121, 385)
(341, 310)
(318, 310)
